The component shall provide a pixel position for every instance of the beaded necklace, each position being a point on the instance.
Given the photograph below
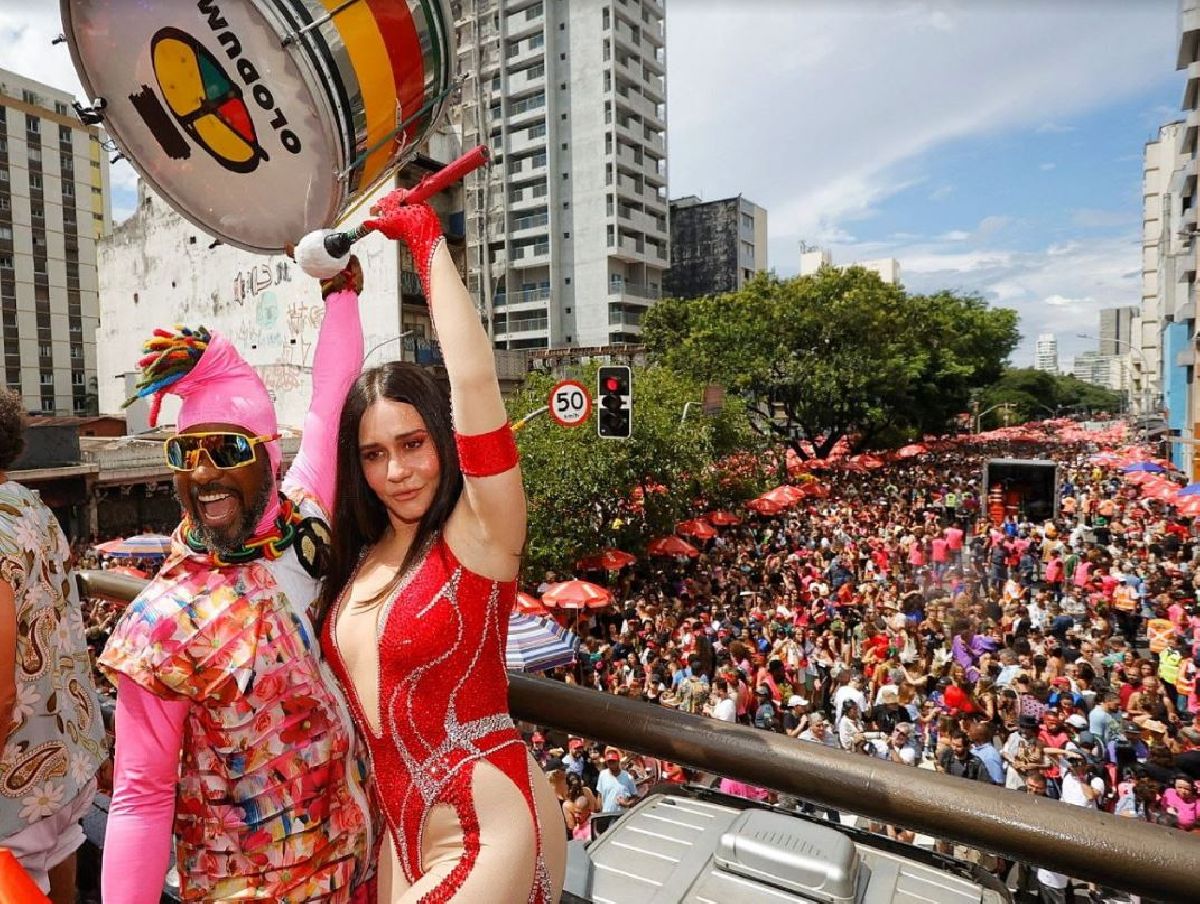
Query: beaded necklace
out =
(309, 535)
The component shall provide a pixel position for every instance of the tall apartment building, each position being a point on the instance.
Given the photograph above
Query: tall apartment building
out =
(1045, 356)
(716, 246)
(567, 239)
(1116, 330)
(54, 205)
(1161, 212)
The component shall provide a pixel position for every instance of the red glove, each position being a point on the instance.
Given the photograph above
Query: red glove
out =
(417, 224)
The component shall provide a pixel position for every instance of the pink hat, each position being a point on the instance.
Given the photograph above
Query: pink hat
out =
(213, 380)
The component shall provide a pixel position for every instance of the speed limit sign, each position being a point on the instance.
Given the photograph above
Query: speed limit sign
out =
(570, 403)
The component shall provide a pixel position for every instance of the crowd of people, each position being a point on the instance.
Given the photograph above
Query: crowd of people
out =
(892, 617)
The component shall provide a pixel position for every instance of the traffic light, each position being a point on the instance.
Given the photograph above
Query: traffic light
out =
(614, 389)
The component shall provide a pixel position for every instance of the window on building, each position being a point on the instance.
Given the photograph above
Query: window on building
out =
(33, 124)
(61, 109)
(605, 21)
(3, 173)
(35, 181)
(46, 351)
(533, 12)
(538, 40)
(6, 233)
(6, 261)
(31, 97)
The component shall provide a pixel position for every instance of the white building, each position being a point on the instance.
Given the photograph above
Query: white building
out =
(567, 237)
(1045, 355)
(1162, 262)
(813, 259)
(1109, 371)
(157, 269)
(54, 204)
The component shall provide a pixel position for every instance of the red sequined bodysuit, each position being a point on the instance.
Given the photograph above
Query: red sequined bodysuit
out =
(443, 707)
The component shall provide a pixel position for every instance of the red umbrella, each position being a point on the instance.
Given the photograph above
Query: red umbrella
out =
(696, 528)
(671, 546)
(911, 450)
(530, 604)
(763, 507)
(783, 496)
(606, 560)
(1188, 506)
(577, 595)
(1159, 489)
(723, 519)
(132, 572)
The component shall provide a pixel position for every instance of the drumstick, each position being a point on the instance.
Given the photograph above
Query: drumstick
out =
(324, 253)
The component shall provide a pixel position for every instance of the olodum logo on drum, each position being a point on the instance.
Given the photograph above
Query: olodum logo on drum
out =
(205, 101)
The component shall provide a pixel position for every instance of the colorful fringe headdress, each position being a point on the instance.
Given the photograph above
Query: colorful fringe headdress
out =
(214, 381)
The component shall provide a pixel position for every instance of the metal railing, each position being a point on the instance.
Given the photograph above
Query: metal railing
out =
(1126, 854)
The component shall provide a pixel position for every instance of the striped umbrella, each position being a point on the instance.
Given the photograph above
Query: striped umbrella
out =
(576, 594)
(536, 644)
(143, 545)
(1188, 507)
(1192, 489)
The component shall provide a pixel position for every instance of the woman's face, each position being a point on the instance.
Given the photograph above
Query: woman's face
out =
(399, 459)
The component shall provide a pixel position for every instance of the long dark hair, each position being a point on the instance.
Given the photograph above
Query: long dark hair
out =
(359, 518)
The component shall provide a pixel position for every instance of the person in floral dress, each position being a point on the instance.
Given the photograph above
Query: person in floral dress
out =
(54, 742)
(230, 729)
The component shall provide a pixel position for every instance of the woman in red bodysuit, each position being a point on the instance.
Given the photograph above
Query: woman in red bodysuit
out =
(427, 537)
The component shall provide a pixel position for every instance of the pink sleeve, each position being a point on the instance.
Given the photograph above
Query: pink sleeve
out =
(137, 841)
(337, 361)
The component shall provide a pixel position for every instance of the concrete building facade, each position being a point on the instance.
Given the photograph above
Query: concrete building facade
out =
(157, 268)
(813, 259)
(1046, 353)
(1116, 330)
(54, 206)
(716, 246)
(567, 236)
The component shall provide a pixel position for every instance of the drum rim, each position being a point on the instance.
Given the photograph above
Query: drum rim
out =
(338, 110)
(338, 197)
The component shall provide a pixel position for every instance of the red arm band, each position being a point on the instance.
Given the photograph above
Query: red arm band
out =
(487, 454)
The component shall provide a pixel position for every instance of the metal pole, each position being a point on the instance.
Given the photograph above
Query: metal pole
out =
(1127, 854)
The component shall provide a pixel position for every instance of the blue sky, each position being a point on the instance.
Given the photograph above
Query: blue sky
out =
(989, 145)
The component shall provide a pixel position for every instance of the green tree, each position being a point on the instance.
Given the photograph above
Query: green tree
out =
(580, 488)
(1029, 394)
(837, 354)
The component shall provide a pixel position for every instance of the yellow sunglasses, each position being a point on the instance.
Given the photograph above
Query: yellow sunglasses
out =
(227, 451)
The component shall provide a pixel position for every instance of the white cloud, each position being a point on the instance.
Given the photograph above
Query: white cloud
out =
(1054, 128)
(1047, 167)
(1059, 301)
(827, 108)
(954, 235)
(1091, 218)
(941, 193)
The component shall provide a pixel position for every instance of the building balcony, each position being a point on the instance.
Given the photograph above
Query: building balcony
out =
(524, 80)
(522, 199)
(1191, 90)
(624, 37)
(1189, 33)
(527, 54)
(632, 293)
(528, 227)
(537, 255)
(520, 142)
(627, 156)
(525, 22)
(1187, 140)
(516, 300)
(514, 328)
(626, 320)
(629, 249)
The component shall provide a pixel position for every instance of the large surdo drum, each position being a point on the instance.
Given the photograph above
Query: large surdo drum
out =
(260, 120)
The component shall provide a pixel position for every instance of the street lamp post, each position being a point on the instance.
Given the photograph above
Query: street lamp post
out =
(374, 348)
(980, 415)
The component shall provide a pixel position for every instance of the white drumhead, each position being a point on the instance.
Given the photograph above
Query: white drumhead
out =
(214, 112)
